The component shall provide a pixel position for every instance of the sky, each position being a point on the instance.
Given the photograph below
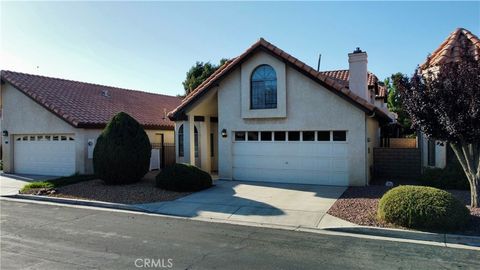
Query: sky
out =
(150, 46)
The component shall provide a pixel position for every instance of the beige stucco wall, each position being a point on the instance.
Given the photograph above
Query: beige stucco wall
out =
(22, 115)
(309, 106)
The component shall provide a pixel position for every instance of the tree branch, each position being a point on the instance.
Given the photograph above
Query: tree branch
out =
(460, 157)
(468, 156)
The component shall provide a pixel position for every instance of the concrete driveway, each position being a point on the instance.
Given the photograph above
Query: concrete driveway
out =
(10, 184)
(252, 202)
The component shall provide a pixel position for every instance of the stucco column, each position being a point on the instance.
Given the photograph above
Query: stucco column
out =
(205, 155)
(191, 140)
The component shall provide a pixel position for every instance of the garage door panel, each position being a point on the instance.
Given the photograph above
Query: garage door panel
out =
(44, 157)
(291, 176)
(286, 149)
(291, 162)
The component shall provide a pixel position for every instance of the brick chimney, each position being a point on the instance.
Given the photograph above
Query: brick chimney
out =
(357, 81)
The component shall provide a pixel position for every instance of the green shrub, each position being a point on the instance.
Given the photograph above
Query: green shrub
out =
(57, 182)
(422, 208)
(451, 177)
(183, 177)
(122, 153)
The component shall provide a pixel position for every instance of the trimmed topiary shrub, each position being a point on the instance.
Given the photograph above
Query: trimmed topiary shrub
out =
(183, 177)
(422, 208)
(122, 153)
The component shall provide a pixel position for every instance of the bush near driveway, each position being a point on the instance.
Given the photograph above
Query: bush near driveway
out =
(422, 208)
(122, 153)
(57, 182)
(183, 177)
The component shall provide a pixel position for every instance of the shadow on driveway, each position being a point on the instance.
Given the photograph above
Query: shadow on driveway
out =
(273, 203)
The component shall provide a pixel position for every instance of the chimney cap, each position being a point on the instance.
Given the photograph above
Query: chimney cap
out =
(358, 50)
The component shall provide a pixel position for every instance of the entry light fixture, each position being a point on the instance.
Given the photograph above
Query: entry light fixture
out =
(224, 133)
(5, 133)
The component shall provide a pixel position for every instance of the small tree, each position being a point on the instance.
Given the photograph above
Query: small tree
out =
(122, 153)
(394, 103)
(444, 103)
(199, 73)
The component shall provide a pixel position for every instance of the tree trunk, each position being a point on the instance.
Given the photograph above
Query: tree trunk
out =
(474, 199)
(469, 157)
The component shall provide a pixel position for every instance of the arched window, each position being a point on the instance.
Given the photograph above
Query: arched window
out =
(263, 88)
(180, 141)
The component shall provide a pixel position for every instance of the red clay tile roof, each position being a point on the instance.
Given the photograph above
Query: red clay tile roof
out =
(328, 82)
(451, 49)
(382, 91)
(342, 76)
(84, 105)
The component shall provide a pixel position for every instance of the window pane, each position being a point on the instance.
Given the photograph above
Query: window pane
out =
(323, 136)
(279, 135)
(308, 135)
(263, 85)
(294, 135)
(180, 145)
(239, 136)
(339, 136)
(266, 135)
(252, 136)
(180, 142)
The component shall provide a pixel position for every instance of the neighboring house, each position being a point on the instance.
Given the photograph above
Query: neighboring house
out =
(436, 153)
(266, 116)
(49, 126)
(377, 89)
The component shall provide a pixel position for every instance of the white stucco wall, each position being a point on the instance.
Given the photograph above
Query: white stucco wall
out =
(440, 153)
(309, 106)
(22, 115)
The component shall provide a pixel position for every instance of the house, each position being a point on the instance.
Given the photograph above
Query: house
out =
(49, 125)
(437, 153)
(266, 116)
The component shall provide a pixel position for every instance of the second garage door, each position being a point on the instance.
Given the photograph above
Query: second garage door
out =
(49, 154)
(313, 157)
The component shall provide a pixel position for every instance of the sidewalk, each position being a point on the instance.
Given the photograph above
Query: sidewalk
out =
(10, 184)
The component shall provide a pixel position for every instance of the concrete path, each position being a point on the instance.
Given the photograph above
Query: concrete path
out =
(263, 203)
(10, 184)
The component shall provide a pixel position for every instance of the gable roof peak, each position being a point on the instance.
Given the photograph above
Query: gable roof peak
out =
(326, 81)
(459, 41)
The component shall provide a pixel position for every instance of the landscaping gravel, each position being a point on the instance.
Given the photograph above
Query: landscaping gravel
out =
(359, 205)
(141, 192)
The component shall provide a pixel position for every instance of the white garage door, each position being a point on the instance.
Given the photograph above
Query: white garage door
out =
(299, 157)
(49, 154)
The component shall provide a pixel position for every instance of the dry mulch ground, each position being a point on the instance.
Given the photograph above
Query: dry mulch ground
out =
(359, 205)
(141, 192)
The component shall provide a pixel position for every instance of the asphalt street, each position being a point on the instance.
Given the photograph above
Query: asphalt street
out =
(39, 236)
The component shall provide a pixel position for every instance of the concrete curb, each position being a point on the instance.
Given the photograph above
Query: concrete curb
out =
(77, 202)
(448, 239)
